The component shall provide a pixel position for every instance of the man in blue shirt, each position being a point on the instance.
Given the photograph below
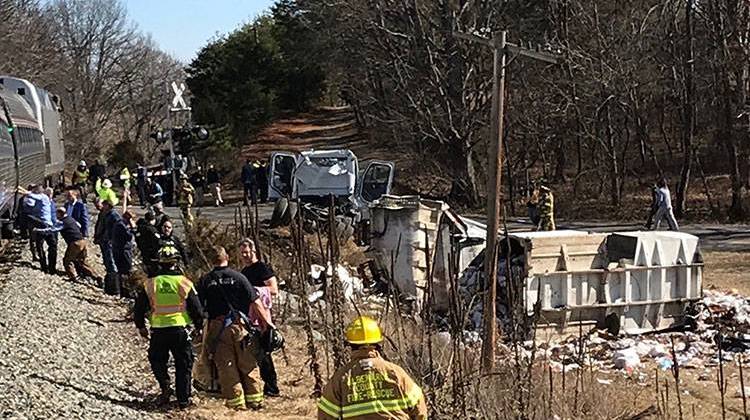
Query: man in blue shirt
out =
(77, 210)
(43, 219)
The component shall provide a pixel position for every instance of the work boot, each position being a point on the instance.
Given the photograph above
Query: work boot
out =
(254, 406)
(164, 397)
(184, 404)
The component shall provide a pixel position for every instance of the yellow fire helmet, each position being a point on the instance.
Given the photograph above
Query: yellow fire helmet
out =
(168, 254)
(364, 330)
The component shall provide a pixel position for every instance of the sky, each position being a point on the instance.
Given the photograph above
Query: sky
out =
(182, 27)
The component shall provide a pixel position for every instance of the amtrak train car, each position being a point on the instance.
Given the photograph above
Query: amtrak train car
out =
(22, 153)
(46, 110)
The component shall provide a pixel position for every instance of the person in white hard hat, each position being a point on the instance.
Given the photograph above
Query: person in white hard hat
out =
(105, 192)
(80, 178)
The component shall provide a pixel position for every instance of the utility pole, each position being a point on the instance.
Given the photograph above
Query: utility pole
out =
(500, 48)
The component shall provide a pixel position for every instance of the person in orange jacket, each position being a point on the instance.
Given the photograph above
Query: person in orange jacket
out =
(370, 387)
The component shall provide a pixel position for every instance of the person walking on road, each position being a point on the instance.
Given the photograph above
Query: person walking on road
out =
(664, 212)
(186, 197)
(546, 209)
(232, 341)
(249, 185)
(262, 180)
(214, 181)
(262, 277)
(77, 209)
(172, 304)
(198, 181)
(370, 387)
(74, 260)
(154, 192)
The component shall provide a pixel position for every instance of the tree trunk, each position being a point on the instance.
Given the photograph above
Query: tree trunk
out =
(688, 112)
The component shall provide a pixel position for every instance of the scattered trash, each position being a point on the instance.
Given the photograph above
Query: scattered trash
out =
(604, 381)
(627, 359)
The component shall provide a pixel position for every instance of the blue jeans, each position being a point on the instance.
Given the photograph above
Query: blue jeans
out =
(109, 259)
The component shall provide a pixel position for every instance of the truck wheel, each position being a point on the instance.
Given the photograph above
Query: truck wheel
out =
(279, 209)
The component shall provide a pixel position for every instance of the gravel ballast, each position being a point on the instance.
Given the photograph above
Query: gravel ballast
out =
(66, 350)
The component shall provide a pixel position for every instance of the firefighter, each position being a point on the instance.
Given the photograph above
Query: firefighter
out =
(369, 387)
(173, 304)
(232, 340)
(546, 209)
(186, 198)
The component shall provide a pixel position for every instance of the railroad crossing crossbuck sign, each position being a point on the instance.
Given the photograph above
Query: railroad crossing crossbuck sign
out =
(178, 102)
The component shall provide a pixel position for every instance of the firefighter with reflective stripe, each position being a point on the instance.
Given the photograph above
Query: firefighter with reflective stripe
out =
(546, 209)
(172, 304)
(186, 197)
(232, 341)
(370, 387)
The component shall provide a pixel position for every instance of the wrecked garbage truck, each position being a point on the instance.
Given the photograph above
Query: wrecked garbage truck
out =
(311, 178)
(632, 282)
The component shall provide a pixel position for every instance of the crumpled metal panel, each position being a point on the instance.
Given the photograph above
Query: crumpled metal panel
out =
(326, 172)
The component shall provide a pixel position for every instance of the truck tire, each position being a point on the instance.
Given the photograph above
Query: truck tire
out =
(279, 209)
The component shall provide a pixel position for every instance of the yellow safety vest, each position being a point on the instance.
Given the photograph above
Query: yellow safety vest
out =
(167, 295)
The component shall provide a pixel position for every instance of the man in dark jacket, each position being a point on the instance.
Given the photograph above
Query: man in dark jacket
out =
(214, 181)
(105, 222)
(172, 304)
(227, 296)
(250, 188)
(148, 239)
(261, 176)
(154, 192)
(76, 209)
(96, 172)
(122, 251)
(74, 260)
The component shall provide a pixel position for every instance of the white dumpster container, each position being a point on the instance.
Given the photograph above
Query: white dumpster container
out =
(637, 281)
(401, 229)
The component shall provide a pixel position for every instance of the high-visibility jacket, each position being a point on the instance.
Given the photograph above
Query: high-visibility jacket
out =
(167, 295)
(80, 177)
(369, 388)
(125, 177)
(105, 193)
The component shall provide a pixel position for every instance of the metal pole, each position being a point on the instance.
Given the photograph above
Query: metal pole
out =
(494, 203)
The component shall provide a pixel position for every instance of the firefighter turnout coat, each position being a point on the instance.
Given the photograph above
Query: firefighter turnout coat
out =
(369, 388)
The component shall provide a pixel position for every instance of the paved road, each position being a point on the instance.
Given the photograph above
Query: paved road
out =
(714, 237)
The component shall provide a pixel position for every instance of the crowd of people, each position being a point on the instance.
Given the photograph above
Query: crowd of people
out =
(229, 310)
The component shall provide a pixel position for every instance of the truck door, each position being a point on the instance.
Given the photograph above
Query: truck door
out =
(280, 175)
(376, 181)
